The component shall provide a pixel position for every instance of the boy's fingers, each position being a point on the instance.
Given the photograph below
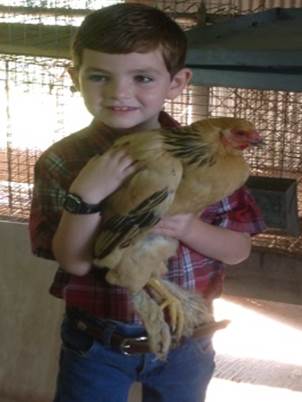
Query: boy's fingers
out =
(122, 156)
(120, 151)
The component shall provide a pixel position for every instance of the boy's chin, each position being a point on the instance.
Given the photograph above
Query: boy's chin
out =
(119, 127)
(123, 124)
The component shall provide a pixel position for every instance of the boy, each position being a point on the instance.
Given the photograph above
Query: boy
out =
(127, 60)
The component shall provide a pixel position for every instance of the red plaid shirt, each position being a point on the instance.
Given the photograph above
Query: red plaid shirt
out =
(54, 172)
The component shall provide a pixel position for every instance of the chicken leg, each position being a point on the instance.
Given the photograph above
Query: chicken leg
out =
(167, 300)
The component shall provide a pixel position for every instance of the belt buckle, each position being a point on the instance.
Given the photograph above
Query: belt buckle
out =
(125, 344)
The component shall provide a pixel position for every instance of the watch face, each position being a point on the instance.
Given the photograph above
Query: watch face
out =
(75, 205)
(72, 203)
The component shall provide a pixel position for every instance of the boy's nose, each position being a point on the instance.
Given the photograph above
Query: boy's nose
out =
(119, 89)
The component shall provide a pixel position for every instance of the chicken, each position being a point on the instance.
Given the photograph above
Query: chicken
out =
(181, 170)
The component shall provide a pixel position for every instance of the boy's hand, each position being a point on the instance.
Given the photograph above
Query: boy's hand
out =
(175, 226)
(102, 175)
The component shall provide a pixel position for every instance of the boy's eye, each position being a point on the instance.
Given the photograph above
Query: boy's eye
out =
(143, 78)
(97, 77)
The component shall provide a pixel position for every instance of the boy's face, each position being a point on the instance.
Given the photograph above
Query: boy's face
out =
(127, 91)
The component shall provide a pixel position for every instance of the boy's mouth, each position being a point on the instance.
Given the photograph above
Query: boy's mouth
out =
(122, 108)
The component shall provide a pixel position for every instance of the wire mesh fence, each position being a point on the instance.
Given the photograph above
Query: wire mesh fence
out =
(37, 109)
(37, 106)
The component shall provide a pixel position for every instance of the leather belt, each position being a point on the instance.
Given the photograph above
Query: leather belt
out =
(97, 330)
(126, 345)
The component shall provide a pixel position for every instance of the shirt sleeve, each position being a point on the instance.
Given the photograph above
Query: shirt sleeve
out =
(237, 212)
(46, 206)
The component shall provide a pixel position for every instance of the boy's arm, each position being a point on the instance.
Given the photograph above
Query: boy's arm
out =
(74, 238)
(223, 230)
(228, 246)
(73, 241)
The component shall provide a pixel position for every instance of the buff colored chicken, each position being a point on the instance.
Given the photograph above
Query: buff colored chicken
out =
(182, 170)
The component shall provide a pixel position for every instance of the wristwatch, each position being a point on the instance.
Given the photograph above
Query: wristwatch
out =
(74, 204)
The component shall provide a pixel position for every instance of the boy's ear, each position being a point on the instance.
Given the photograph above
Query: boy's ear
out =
(74, 75)
(179, 81)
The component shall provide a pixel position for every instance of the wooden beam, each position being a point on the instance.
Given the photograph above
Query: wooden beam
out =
(36, 40)
(42, 11)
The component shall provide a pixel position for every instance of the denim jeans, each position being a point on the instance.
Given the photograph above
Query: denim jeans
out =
(92, 372)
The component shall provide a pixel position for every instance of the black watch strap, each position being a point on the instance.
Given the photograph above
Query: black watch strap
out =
(74, 204)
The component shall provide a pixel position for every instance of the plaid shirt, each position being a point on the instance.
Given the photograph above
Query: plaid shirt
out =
(54, 172)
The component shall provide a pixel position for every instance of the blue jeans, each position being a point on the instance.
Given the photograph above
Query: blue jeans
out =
(92, 372)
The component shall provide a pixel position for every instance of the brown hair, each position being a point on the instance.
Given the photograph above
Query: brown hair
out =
(125, 28)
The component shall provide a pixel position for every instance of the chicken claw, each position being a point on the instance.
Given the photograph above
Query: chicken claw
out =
(169, 301)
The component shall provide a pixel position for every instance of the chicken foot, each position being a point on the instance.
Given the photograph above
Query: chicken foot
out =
(197, 317)
(154, 322)
(167, 300)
